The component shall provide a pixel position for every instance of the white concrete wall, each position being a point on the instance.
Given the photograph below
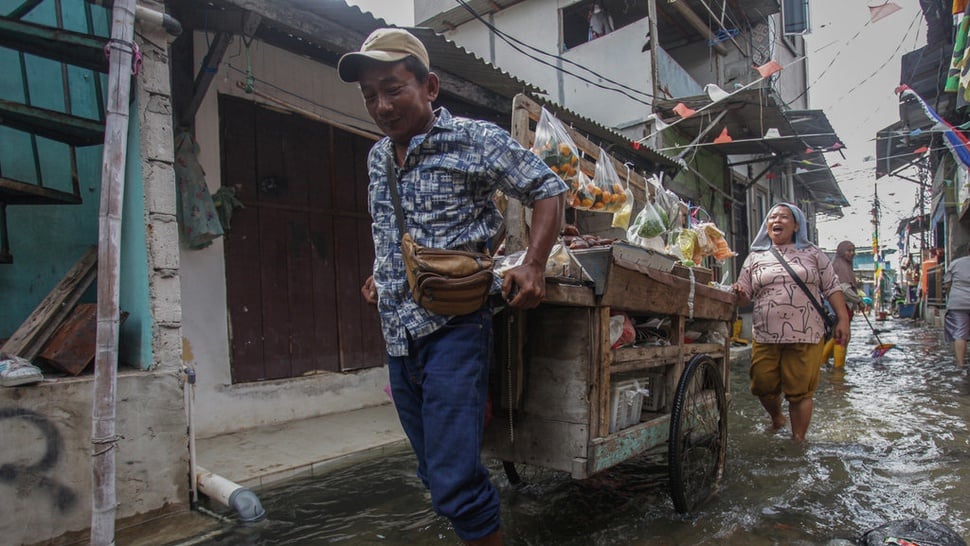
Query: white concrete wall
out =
(46, 486)
(221, 406)
(616, 56)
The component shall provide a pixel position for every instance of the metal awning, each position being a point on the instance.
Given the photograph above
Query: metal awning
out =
(813, 173)
(756, 122)
(913, 224)
(897, 147)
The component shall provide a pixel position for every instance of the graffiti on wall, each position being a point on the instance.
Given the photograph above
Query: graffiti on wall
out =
(32, 477)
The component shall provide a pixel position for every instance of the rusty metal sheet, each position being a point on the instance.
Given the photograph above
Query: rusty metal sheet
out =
(72, 347)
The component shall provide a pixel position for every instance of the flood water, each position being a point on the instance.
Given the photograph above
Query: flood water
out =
(888, 441)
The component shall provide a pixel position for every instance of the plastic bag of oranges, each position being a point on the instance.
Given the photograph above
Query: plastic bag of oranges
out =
(555, 147)
(604, 193)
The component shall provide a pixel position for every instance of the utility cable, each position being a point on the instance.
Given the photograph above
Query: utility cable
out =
(515, 44)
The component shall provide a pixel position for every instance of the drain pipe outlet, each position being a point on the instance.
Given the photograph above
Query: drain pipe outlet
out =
(239, 498)
(164, 20)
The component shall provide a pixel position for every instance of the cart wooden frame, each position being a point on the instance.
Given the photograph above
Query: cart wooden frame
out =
(557, 371)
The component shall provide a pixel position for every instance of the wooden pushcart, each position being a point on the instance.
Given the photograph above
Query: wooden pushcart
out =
(562, 396)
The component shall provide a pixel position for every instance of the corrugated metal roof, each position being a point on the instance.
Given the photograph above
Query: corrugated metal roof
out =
(457, 60)
(458, 15)
(325, 30)
(896, 147)
(814, 174)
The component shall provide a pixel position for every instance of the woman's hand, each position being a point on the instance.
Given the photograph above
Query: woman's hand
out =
(743, 298)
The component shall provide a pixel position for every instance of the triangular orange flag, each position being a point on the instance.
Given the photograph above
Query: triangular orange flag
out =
(723, 138)
(921, 150)
(683, 110)
(882, 11)
(768, 68)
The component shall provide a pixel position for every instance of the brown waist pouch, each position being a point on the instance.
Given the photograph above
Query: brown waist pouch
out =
(447, 282)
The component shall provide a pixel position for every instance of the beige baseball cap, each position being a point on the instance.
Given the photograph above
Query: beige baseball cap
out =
(386, 45)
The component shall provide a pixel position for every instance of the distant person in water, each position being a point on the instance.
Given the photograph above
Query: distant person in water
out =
(956, 285)
(854, 298)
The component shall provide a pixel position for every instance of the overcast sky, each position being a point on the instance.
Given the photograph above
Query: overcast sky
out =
(856, 93)
(397, 12)
(853, 67)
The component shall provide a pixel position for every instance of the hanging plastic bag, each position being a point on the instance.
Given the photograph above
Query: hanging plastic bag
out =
(621, 218)
(556, 148)
(647, 224)
(715, 244)
(604, 193)
(669, 206)
(690, 251)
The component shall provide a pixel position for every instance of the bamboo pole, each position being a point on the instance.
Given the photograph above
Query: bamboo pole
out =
(103, 437)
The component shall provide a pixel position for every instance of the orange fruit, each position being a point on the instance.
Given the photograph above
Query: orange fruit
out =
(564, 149)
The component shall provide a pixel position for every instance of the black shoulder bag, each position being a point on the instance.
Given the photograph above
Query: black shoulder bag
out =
(829, 320)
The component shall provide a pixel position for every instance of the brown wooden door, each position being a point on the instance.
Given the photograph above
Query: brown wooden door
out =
(299, 250)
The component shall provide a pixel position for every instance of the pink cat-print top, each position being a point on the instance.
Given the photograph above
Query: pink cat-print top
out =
(782, 311)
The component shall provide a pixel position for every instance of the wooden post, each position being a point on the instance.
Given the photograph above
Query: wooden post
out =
(103, 437)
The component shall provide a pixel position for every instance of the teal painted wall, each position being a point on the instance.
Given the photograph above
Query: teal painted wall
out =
(46, 240)
(135, 344)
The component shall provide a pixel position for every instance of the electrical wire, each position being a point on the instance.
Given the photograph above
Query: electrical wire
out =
(838, 54)
(880, 67)
(309, 101)
(515, 44)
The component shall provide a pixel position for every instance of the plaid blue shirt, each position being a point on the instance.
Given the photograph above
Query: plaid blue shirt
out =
(446, 185)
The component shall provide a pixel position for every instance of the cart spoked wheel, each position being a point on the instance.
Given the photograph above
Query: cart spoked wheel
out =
(698, 434)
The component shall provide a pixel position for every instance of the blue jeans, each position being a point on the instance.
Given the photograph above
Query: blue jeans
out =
(440, 390)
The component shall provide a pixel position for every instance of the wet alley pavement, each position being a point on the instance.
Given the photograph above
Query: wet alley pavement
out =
(888, 441)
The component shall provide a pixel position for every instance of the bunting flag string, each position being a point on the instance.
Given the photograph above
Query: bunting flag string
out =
(958, 144)
(882, 11)
(717, 95)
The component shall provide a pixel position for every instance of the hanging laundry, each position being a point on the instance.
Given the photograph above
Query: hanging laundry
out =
(723, 138)
(882, 11)
(683, 110)
(768, 68)
(196, 213)
(225, 202)
(955, 140)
